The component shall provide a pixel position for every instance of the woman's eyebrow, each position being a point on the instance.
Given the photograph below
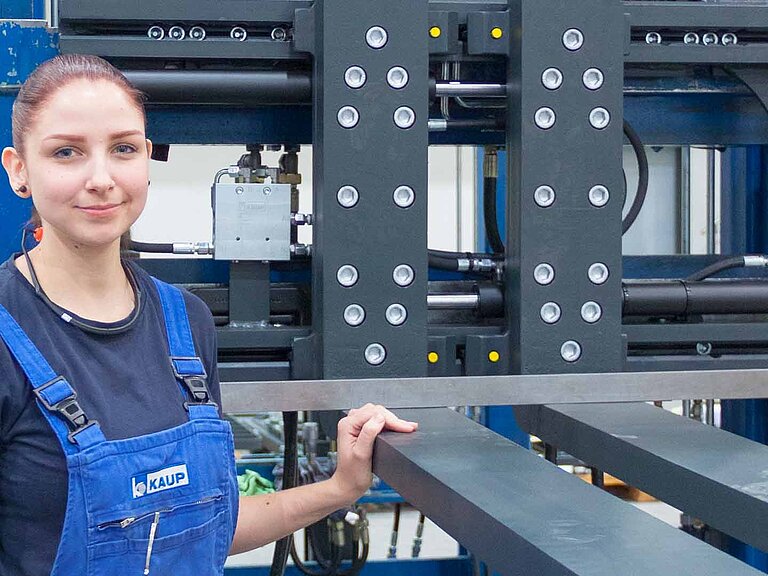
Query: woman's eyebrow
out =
(81, 138)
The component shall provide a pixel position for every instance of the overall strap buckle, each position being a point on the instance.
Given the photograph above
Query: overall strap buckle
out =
(58, 396)
(192, 373)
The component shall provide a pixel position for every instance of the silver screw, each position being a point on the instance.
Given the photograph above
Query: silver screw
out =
(238, 33)
(354, 315)
(593, 78)
(405, 117)
(376, 37)
(176, 33)
(403, 275)
(653, 38)
(404, 196)
(278, 34)
(156, 33)
(544, 274)
(397, 77)
(348, 117)
(347, 196)
(591, 312)
(347, 275)
(396, 314)
(375, 354)
(355, 77)
(691, 38)
(729, 38)
(544, 118)
(573, 39)
(710, 39)
(239, 190)
(197, 33)
(599, 196)
(570, 351)
(599, 118)
(703, 348)
(544, 196)
(598, 273)
(267, 190)
(552, 78)
(550, 312)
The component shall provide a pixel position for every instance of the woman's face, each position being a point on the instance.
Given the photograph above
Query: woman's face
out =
(86, 163)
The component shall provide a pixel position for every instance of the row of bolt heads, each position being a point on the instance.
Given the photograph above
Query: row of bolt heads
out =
(707, 39)
(198, 33)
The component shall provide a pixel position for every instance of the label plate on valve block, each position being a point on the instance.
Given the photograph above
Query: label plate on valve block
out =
(252, 221)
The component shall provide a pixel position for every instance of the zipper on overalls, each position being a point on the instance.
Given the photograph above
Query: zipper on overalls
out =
(125, 522)
(152, 532)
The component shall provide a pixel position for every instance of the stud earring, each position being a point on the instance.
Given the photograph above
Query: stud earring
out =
(22, 189)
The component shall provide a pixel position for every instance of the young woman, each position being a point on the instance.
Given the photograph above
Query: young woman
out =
(113, 455)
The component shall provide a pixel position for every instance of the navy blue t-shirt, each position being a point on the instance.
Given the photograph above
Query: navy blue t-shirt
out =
(124, 380)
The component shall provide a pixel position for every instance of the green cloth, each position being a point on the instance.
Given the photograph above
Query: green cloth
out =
(252, 483)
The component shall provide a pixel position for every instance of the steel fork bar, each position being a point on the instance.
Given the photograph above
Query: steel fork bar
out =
(706, 472)
(244, 397)
(524, 516)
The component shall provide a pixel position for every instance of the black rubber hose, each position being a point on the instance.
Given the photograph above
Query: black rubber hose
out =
(642, 183)
(290, 468)
(441, 263)
(151, 247)
(467, 255)
(490, 217)
(712, 269)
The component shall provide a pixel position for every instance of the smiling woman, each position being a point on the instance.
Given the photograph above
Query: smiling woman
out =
(109, 392)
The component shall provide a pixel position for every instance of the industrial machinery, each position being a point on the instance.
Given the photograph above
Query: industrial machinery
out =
(548, 317)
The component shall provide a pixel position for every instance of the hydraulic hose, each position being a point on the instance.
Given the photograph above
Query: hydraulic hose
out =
(712, 269)
(290, 468)
(151, 247)
(642, 183)
(490, 216)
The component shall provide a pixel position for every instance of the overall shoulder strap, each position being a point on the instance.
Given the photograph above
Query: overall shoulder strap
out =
(55, 396)
(187, 366)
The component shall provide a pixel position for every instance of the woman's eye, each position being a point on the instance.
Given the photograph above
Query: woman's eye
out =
(124, 149)
(64, 153)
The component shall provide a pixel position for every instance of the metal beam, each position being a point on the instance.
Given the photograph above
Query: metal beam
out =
(523, 516)
(711, 474)
(278, 395)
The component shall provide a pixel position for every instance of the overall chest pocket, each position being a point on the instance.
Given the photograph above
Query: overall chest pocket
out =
(184, 537)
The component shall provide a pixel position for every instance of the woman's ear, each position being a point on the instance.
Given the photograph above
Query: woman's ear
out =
(149, 148)
(17, 173)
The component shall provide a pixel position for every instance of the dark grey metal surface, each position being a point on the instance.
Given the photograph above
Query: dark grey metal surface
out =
(493, 390)
(571, 157)
(525, 517)
(376, 157)
(706, 472)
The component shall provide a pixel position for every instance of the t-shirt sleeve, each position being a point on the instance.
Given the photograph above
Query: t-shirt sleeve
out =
(204, 335)
(11, 385)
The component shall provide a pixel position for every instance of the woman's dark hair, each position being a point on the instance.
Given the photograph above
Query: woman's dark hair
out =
(56, 73)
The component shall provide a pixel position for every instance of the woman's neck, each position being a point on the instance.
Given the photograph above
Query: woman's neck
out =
(87, 281)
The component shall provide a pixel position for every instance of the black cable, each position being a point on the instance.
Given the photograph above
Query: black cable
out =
(395, 529)
(151, 247)
(725, 264)
(489, 215)
(290, 468)
(642, 183)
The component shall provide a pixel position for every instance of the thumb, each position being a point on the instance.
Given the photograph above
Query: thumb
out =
(368, 433)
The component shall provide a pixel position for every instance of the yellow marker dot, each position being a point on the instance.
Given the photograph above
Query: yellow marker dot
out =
(493, 356)
(435, 31)
(497, 33)
(433, 357)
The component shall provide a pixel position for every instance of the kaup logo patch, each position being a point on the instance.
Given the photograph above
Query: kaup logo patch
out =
(164, 479)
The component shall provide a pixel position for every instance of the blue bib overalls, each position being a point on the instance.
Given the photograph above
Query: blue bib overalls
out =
(161, 504)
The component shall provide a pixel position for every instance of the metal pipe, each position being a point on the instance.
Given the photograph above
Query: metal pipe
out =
(453, 301)
(222, 87)
(679, 298)
(468, 89)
